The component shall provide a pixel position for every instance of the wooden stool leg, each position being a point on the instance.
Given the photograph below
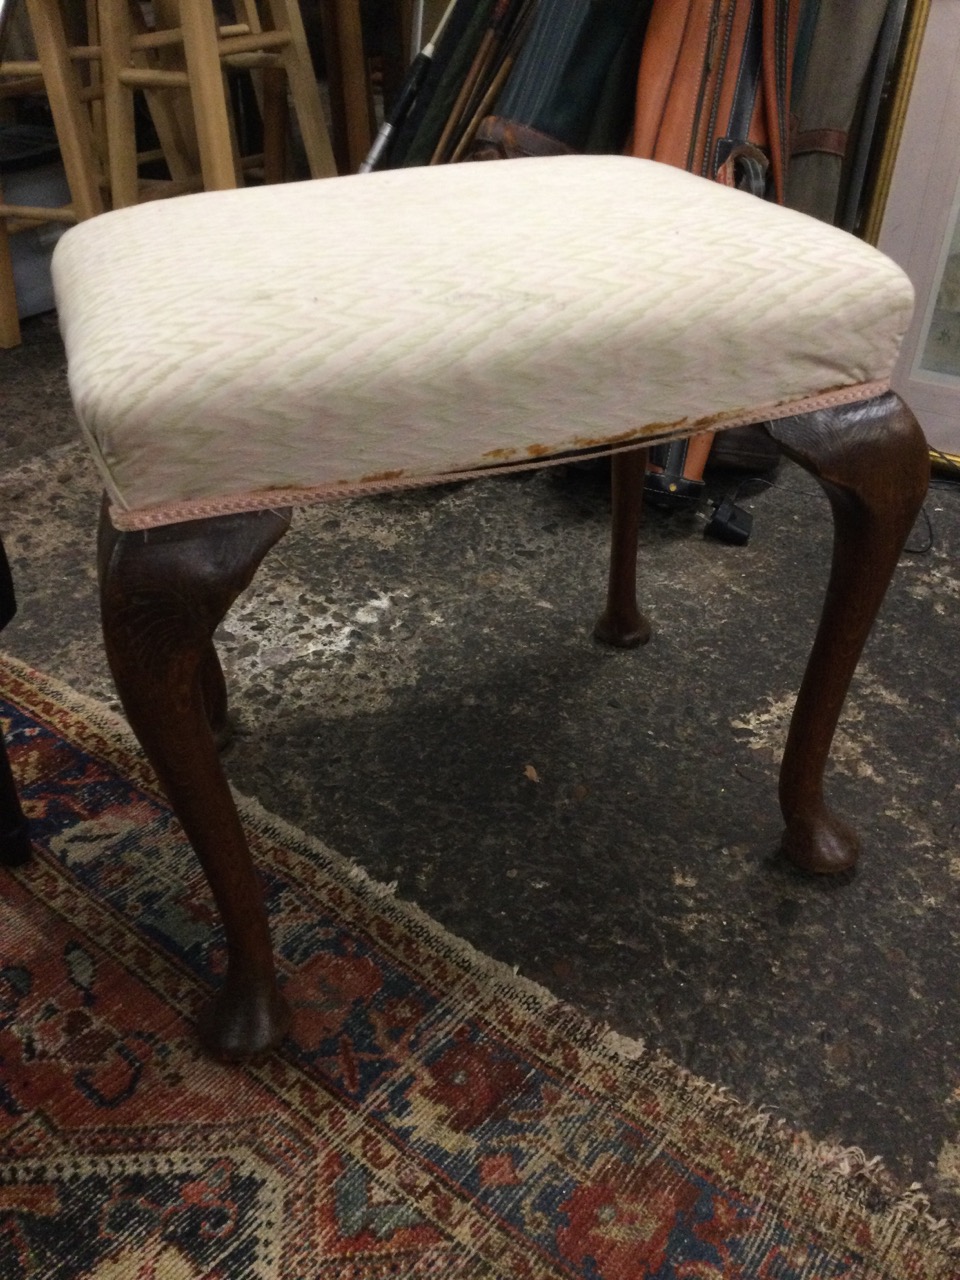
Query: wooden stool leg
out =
(70, 117)
(162, 596)
(118, 108)
(622, 624)
(9, 316)
(276, 122)
(348, 82)
(201, 50)
(170, 109)
(14, 828)
(873, 462)
(305, 95)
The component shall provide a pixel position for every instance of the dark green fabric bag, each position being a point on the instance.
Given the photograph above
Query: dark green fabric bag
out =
(578, 58)
(836, 59)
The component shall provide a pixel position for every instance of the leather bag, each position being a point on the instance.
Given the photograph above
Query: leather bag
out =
(826, 98)
(713, 89)
(571, 87)
(713, 97)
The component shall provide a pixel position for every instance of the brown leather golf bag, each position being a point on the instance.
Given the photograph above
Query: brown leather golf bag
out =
(713, 97)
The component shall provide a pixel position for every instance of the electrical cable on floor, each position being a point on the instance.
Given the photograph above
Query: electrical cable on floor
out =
(731, 523)
(927, 547)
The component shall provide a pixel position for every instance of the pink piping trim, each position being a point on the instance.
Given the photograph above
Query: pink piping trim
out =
(271, 499)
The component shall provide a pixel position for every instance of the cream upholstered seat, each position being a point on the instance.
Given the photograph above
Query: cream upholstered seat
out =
(298, 342)
(323, 336)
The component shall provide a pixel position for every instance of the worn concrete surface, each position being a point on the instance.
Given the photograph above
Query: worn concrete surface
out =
(414, 682)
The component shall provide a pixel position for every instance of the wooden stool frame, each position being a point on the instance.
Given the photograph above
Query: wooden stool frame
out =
(187, 53)
(54, 71)
(163, 594)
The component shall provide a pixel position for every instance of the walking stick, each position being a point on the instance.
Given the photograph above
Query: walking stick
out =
(484, 97)
(570, 85)
(407, 95)
(416, 29)
(502, 13)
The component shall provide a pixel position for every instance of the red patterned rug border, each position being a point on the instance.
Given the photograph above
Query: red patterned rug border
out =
(861, 1195)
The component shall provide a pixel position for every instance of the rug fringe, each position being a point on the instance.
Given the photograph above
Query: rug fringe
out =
(847, 1166)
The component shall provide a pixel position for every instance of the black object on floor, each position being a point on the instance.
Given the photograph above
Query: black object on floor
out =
(14, 830)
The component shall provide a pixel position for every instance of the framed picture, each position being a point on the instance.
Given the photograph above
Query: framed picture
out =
(920, 224)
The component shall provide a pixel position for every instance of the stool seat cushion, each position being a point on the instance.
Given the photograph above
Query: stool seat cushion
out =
(247, 349)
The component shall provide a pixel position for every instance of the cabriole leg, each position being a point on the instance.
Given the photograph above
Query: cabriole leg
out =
(163, 593)
(873, 462)
(622, 624)
(14, 829)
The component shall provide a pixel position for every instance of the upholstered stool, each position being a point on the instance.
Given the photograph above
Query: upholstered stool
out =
(346, 336)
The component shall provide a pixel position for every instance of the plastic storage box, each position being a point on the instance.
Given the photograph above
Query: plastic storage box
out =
(31, 174)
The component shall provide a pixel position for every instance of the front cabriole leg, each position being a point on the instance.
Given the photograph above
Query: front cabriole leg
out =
(873, 462)
(163, 593)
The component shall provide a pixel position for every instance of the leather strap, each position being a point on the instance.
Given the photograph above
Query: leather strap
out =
(500, 139)
(739, 158)
(748, 76)
(832, 142)
(743, 165)
(713, 89)
(781, 19)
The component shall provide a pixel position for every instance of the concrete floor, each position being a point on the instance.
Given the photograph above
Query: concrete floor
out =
(415, 683)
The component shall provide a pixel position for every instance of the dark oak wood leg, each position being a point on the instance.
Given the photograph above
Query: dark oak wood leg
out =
(622, 624)
(214, 688)
(163, 593)
(14, 828)
(873, 462)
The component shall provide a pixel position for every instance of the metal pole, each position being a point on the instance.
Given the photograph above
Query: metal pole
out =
(6, 9)
(416, 29)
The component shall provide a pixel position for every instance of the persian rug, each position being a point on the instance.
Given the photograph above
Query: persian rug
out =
(431, 1114)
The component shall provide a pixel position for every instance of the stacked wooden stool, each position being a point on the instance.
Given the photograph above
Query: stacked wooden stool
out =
(66, 72)
(179, 60)
(185, 50)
